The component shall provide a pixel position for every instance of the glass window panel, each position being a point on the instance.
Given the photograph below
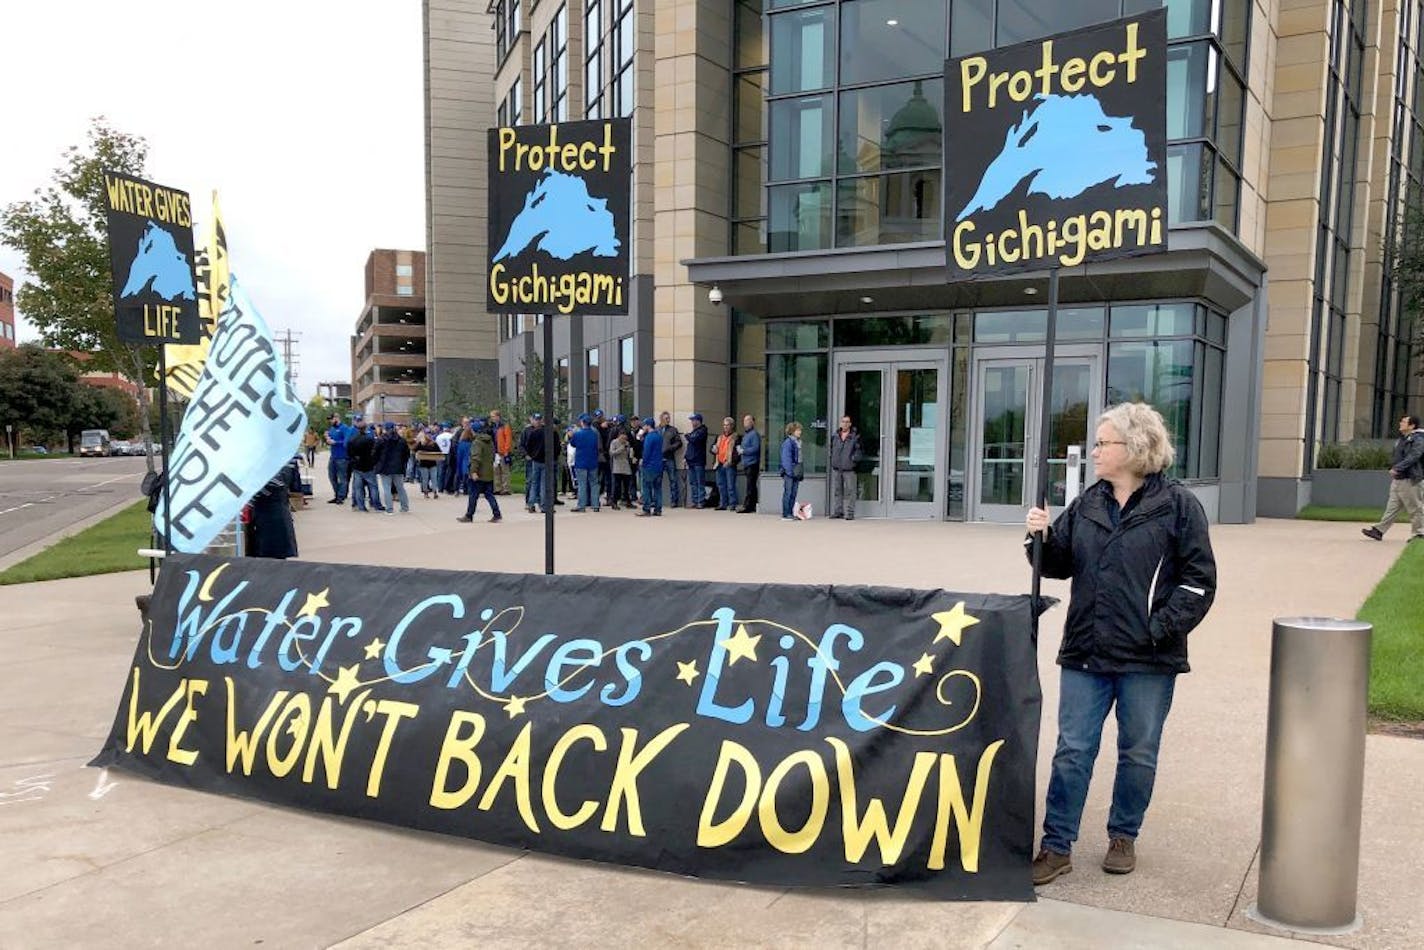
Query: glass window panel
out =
(1188, 184)
(801, 140)
(750, 108)
(1003, 433)
(916, 416)
(1225, 197)
(1154, 319)
(591, 380)
(1021, 20)
(1160, 374)
(748, 395)
(888, 209)
(1209, 453)
(798, 335)
(1230, 101)
(958, 428)
(748, 339)
(1216, 328)
(971, 29)
(803, 44)
(1184, 17)
(894, 331)
(797, 391)
(1010, 326)
(800, 217)
(751, 38)
(1235, 26)
(748, 185)
(891, 39)
(889, 127)
(1189, 101)
(1079, 323)
(749, 237)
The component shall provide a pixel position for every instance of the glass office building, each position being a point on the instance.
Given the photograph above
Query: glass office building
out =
(792, 156)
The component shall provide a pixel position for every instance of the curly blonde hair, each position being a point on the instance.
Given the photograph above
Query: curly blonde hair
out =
(1149, 445)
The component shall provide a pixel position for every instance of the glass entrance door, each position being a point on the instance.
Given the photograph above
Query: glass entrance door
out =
(896, 405)
(1008, 421)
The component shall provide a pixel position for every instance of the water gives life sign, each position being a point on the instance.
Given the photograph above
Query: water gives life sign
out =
(1055, 150)
(151, 257)
(558, 218)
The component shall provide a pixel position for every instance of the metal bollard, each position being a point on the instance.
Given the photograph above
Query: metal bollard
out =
(1315, 775)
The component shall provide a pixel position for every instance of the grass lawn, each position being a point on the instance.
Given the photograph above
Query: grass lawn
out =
(1323, 513)
(1397, 658)
(106, 547)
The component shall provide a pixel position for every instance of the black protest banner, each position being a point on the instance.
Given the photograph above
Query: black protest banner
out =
(1055, 150)
(776, 734)
(151, 258)
(558, 217)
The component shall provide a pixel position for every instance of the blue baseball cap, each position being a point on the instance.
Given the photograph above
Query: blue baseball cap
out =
(598, 413)
(390, 427)
(696, 415)
(585, 418)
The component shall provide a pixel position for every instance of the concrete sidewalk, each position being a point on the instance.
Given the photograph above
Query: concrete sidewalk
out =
(113, 860)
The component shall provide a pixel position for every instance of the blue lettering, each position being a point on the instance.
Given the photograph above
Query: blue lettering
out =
(500, 678)
(274, 619)
(824, 661)
(284, 658)
(631, 673)
(706, 703)
(579, 654)
(393, 668)
(865, 685)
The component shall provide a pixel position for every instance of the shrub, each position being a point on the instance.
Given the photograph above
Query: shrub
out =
(1361, 454)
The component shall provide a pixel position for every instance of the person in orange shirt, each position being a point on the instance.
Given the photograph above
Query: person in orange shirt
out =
(503, 452)
(726, 465)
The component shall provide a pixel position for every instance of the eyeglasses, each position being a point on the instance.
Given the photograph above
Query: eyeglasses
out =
(1100, 444)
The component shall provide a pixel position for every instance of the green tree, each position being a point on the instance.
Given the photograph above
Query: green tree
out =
(63, 235)
(39, 393)
(1409, 270)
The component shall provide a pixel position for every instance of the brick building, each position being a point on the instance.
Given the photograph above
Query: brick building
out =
(388, 349)
(7, 312)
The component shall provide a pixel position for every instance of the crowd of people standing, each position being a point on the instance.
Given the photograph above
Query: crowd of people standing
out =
(621, 462)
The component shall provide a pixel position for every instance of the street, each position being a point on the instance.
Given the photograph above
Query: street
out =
(41, 497)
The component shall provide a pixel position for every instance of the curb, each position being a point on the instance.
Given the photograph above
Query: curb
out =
(30, 550)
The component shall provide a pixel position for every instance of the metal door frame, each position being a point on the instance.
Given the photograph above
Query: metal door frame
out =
(1034, 357)
(888, 363)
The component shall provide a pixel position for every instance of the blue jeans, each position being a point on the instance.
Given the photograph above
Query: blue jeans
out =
(533, 484)
(789, 487)
(726, 487)
(652, 491)
(426, 474)
(393, 487)
(340, 477)
(364, 485)
(697, 484)
(1142, 701)
(480, 490)
(587, 479)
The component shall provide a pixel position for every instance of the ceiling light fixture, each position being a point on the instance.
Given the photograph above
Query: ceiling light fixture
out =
(1031, 291)
(892, 22)
(867, 300)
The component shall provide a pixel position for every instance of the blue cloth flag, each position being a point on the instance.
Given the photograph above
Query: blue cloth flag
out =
(243, 424)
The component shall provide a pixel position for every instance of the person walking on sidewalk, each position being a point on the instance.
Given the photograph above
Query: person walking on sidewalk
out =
(791, 470)
(651, 470)
(338, 466)
(481, 474)
(309, 442)
(1405, 472)
(724, 461)
(1136, 547)
(749, 453)
(392, 457)
(845, 456)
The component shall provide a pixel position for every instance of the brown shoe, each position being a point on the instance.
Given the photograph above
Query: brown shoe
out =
(1050, 865)
(1121, 857)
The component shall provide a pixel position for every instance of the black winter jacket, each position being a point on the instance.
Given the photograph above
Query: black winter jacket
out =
(1138, 588)
(1408, 459)
(392, 454)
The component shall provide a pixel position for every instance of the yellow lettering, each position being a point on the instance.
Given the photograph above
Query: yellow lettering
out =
(394, 713)
(507, 138)
(625, 777)
(858, 831)
(967, 257)
(326, 744)
(499, 290)
(1071, 78)
(462, 748)
(1133, 54)
(298, 710)
(175, 753)
(515, 767)
(242, 744)
(145, 727)
(971, 71)
(1098, 77)
(711, 834)
(968, 823)
(557, 816)
(800, 840)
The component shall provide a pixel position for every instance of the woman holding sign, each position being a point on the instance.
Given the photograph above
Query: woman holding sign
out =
(1136, 547)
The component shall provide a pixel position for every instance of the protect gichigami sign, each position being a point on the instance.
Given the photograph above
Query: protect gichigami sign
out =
(558, 217)
(1055, 150)
(776, 734)
(151, 258)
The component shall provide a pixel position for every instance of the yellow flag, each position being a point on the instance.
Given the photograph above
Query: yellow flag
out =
(185, 363)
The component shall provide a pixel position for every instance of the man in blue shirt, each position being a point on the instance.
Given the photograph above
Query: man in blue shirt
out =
(651, 469)
(750, 462)
(336, 466)
(586, 443)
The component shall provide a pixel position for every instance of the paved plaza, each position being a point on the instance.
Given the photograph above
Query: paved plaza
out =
(106, 859)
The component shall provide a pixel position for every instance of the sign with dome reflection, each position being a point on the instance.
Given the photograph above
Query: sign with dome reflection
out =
(1055, 150)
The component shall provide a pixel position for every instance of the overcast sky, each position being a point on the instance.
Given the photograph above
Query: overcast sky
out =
(305, 115)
